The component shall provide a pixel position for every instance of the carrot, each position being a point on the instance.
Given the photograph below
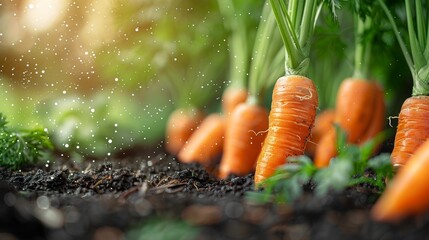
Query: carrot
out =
(248, 123)
(323, 123)
(293, 110)
(326, 149)
(359, 112)
(360, 107)
(180, 125)
(206, 143)
(243, 139)
(413, 128)
(354, 109)
(406, 194)
(294, 99)
(378, 116)
(231, 98)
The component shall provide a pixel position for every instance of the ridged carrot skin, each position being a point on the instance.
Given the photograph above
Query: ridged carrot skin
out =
(354, 107)
(206, 143)
(293, 110)
(244, 136)
(324, 123)
(232, 97)
(407, 194)
(180, 125)
(413, 128)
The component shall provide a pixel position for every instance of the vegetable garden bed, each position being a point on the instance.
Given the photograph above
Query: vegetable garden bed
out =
(156, 197)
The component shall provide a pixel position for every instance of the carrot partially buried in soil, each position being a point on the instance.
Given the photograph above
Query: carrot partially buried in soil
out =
(294, 99)
(407, 194)
(248, 123)
(322, 125)
(205, 144)
(359, 112)
(180, 125)
(293, 110)
(243, 139)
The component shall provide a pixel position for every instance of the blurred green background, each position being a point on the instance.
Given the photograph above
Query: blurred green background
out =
(103, 76)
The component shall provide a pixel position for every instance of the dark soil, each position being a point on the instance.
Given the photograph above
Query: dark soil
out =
(113, 199)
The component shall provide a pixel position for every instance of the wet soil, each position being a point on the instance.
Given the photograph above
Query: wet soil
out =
(111, 199)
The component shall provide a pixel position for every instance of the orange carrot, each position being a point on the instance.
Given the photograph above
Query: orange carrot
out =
(406, 194)
(359, 112)
(326, 149)
(378, 117)
(323, 123)
(232, 97)
(180, 125)
(243, 139)
(355, 107)
(413, 128)
(293, 110)
(206, 143)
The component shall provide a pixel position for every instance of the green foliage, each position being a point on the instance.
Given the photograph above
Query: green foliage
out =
(21, 148)
(161, 229)
(349, 168)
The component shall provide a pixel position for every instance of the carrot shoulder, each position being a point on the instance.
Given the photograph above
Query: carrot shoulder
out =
(180, 125)
(206, 143)
(231, 98)
(243, 139)
(407, 194)
(293, 110)
(413, 128)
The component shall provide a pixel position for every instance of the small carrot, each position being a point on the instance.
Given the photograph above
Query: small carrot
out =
(180, 125)
(293, 110)
(232, 97)
(326, 149)
(413, 128)
(206, 143)
(354, 109)
(406, 194)
(323, 123)
(359, 112)
(243, 139)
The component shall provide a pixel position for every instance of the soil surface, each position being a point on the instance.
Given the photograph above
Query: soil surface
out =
(155, 197)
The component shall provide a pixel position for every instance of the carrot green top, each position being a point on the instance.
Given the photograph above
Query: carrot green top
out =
(418, 61)
(267, 57)
(296, 23)
(235, 23)
(363, 46)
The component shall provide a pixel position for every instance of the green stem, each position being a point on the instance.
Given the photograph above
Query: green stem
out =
(420, 24)
(237, 43)
(307, 24)
(402, 45)
(417, 54)
(296, 61)
(362, 48)
(267, 44)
